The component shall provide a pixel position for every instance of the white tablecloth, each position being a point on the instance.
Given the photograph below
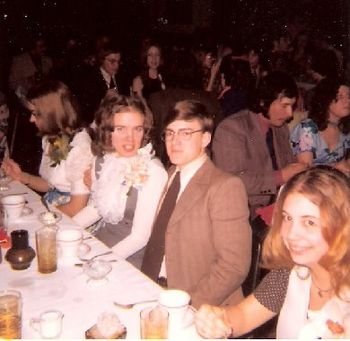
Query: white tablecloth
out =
(67, 289)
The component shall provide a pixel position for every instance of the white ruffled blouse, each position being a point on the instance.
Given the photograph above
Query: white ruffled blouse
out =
(109, 194)
(68, 175)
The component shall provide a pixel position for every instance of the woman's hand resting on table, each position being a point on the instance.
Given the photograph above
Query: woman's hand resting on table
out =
(12, 169)
(209, 321)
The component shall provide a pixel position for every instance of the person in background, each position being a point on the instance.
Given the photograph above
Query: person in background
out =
(307, 249)
(103, 78)
(127, 179)
(324, 137)
(201, 238)
(66, 148)
(254, 144)
(209, 65)
(237, 84)
(4, 116)
(30, 68)
(151, 79)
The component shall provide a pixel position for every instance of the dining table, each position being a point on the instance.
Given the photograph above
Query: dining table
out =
(68, 290)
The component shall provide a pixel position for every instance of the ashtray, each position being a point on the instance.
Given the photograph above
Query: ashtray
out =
(49, 218)
(97, 270)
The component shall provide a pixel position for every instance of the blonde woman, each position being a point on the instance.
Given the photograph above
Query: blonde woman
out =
(308, 252)
(66, 148)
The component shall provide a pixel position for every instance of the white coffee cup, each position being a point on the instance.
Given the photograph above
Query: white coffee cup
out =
(69, 245)
(49, 324)
(177, 304)
(13, 206)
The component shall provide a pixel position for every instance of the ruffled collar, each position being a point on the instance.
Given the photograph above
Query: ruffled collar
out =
(115, 179)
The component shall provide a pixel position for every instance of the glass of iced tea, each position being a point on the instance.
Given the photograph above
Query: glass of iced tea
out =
(10, 314)
(154, 323)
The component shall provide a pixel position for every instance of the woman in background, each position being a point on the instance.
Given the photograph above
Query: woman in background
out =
(324, 137)
(150, 80)
(127, 179)
(307, 250)
(66, 148)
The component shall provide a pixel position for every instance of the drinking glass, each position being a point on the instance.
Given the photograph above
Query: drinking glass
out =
(154, 323)
(10, 314)
(4, 181)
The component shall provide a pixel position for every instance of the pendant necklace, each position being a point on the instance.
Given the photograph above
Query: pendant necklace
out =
(320, 291)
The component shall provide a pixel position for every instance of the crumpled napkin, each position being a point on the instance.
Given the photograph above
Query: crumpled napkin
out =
(5, 239)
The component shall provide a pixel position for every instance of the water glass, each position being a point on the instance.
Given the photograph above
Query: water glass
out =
(46, 250)
(10, 314)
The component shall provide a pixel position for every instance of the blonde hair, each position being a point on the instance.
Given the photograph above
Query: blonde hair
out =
(329, 190)
(57, 106)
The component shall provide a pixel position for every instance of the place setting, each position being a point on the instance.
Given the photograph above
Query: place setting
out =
(168, 315)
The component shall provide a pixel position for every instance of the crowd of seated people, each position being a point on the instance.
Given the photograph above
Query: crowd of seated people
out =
(218, 124)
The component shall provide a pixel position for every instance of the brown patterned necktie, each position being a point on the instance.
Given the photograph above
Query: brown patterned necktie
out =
(155, 248)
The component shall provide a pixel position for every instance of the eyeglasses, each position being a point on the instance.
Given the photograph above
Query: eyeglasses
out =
(36, 114)
(183, 134)
(112, 61)
(123, 131)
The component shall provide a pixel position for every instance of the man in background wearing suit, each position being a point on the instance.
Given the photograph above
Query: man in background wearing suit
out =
(202, 244)
(254, 144)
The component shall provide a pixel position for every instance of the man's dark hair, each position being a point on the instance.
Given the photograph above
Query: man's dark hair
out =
(275, 85)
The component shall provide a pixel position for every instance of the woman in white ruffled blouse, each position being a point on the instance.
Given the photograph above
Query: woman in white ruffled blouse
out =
(308, 253)
(66, 148)
(127, 179)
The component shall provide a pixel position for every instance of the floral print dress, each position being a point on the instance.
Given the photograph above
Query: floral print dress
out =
(306, 137)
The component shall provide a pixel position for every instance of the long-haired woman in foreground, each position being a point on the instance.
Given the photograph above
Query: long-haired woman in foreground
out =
(66, 148)
(308, 252)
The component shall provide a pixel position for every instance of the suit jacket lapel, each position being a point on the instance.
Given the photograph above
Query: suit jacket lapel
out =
(193, 192)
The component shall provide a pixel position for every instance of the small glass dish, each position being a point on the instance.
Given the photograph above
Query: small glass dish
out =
(49, 218)
(97, 270)
(4, 181)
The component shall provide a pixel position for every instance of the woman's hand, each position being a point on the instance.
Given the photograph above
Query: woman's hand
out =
(12, 169)
(209, 321)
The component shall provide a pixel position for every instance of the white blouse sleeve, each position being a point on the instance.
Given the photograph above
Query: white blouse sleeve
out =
(78, 161)
(145, 212)
(89, 214)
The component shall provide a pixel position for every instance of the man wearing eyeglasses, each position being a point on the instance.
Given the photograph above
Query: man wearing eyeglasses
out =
(106, 77)
(203, 243)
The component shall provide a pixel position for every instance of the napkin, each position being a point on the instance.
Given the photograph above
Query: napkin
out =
(5, 239)
(266, 213)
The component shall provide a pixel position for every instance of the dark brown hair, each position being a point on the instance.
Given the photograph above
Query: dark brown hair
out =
(104, 119)
(325, 93)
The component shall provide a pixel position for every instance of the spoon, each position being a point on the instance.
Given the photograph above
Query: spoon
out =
(130, 305)
(99, 255)
(110, 261)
